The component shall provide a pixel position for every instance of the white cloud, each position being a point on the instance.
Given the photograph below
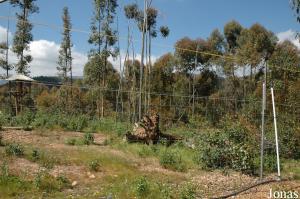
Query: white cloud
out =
(289, 35)
(45, 54)
(116, 62)
(3, 34)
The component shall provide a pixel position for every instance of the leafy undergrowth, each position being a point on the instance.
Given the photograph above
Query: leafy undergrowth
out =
(41, 164)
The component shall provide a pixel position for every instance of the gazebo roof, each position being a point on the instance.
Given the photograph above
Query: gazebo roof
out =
(20, 77)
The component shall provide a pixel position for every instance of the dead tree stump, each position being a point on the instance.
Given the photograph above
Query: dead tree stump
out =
(147, 131)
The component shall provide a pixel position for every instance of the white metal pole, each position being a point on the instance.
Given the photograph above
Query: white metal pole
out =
(276, 133)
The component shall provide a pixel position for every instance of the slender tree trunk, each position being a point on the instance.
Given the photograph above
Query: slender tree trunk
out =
(146, 73)
(142, 61)
(149, 72)
(244, 81)
(134, 87)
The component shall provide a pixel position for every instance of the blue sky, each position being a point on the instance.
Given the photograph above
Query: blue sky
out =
(193, 18)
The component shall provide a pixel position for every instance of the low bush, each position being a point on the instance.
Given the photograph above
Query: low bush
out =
(1, 140)
(232, 147)
(62, 120)
(12, 186)
(171, 160)
(94, 165)
(270, 164)
(188, 191)
(25, 119)
(142, 186)
(77, 123)
(88, 138)
(47, 161)
(4, 172)
(289, 136)
(3, 120)
(14, 149)
(35, 155)
(48, 183)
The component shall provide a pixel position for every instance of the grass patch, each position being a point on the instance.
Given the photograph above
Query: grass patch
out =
(12, 186)
(172, 160)
(94, 165)
(48, 183)
(188, 191)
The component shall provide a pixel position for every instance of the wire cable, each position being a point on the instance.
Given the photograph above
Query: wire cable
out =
(56, 27)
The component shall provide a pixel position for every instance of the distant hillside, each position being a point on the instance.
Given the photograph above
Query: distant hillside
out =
(53, 79)
(48, 79)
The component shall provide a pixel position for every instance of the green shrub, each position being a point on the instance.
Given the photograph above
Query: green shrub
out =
(62, 120)
(25, 119)
(35, 155)
(142, 186)
(3, 120)
(171, 160)
(77, 123)
(63, 182)
(4, 173)
(1, 138)
(288, 135)
(88, 138)
(94, 165)
(47, 161)
(14, 149)
(188, 191)
(165, 190)
(144, 151)
(45, 182)
(270, 163)
(232, 147)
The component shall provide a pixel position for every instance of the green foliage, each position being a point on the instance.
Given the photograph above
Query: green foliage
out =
(65, 121)
(3, 120)
(45, 182)
(1, 142)
(10, 185)
(25, 119)
(146, 151)
(289, 136)
(270, 163)
(188, 191)
(35, 155)
(232, 147)
(165, 190)
(171, 160)
(14, 149)
(142, 186)
(47, 161)
(23, 36)
(65, 51)
(4, 173)
(94, 165)
(88, 138)
(77, 123)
